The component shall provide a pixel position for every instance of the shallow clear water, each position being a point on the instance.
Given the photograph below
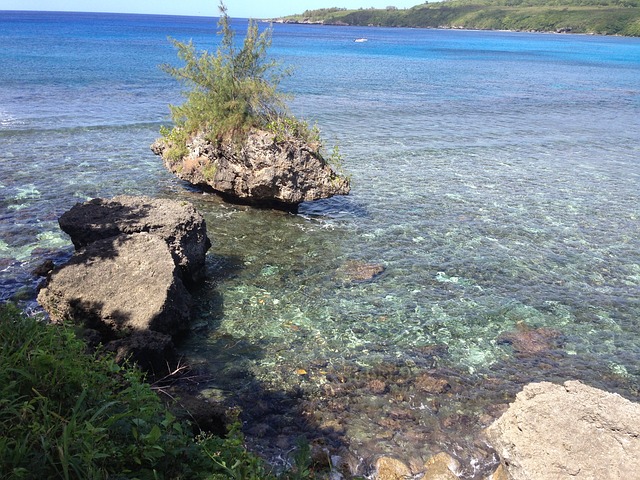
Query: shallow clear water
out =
(495, 179)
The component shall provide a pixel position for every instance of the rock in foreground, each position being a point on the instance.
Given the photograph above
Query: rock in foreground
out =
(126, 281)
(570, 431)
(178, 223)
(262, 170)
(120, 285)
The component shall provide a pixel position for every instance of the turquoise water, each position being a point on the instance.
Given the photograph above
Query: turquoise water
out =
(495, 180)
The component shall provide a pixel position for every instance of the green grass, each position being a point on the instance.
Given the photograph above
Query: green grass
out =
(67, 414)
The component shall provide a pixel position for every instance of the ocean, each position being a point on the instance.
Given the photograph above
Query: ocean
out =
(496, 181)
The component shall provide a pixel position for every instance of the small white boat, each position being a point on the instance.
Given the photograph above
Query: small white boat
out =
(360, 40)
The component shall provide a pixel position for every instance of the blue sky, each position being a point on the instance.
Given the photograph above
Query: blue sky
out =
(237, 8)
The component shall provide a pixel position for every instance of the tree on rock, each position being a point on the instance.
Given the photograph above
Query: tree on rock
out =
(234, 133)
(232, 90)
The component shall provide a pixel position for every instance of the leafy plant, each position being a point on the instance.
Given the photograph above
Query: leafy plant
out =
(232, 90)
(288, 128)
(301, 461)
(176, 139)
(67, 414)
(209, 171)
(230, 459)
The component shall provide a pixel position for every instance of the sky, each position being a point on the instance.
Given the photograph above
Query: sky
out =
(236, 8)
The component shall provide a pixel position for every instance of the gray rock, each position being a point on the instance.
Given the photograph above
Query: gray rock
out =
(570, 431)
(178, 223)
(120, 285)
(263, 170)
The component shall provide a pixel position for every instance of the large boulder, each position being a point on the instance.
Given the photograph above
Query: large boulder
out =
(177, 223)
(118, 286)
(570, 431)
(262, 169)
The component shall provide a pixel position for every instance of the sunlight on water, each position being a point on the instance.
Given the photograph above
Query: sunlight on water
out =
(495, 199)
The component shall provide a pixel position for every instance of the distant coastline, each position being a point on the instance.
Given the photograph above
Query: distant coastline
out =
(597, 17)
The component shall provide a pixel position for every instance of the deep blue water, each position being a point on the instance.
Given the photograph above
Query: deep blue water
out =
(496, 177)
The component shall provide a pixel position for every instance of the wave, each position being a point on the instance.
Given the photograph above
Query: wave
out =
(77, 128)
(7, 119)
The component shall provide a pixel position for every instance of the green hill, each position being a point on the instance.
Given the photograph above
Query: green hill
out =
(604, 17)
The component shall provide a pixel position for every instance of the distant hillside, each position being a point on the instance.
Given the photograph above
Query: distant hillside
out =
(605, 17)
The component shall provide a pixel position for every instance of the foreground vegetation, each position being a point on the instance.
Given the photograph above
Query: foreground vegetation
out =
(71, 415)
(606, 17)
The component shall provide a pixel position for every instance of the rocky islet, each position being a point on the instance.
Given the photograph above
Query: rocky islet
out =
(259, 170)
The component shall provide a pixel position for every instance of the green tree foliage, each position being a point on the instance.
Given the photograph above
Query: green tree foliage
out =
(323, 11)
(232, 90)
(619, 17)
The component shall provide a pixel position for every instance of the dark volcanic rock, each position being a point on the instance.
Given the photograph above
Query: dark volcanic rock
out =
(177, 223)
(151, 351)
(262, 170)
(44, 268)
(118, 285)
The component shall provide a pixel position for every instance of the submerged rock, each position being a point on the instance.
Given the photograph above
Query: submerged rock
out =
(388, 468)
(568, 431)
(358, 271)
(527, 340)
(499, 474)
(431, 384)
(262, 170)
(441, 467)
(177, 223)
(120, 285)
(44, 268)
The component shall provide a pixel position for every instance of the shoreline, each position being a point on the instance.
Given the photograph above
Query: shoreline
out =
(283, 21)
